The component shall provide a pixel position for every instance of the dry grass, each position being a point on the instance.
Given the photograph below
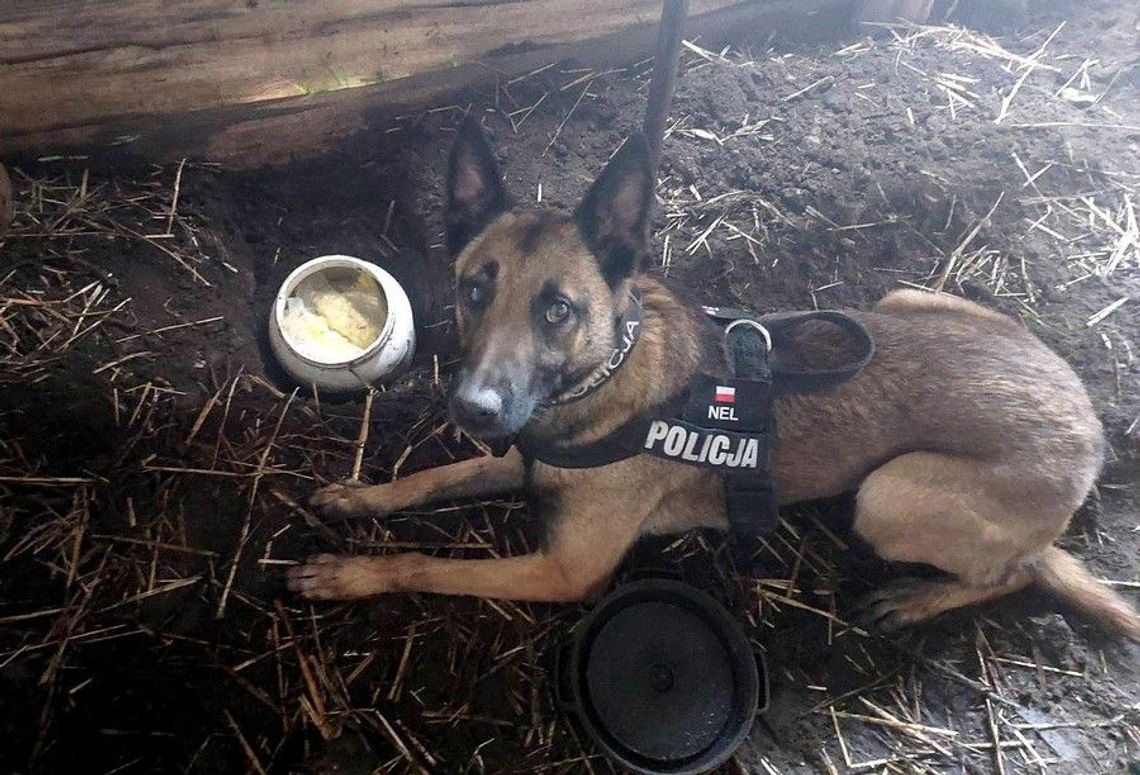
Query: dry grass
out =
(1088, 214)
(121, 550)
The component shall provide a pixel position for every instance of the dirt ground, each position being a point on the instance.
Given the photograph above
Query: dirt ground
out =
(154, 461)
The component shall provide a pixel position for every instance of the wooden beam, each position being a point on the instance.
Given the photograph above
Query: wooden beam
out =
(260, 81)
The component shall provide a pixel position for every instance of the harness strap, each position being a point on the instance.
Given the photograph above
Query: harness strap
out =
(624, 442)
(726, 424)
(750, 501)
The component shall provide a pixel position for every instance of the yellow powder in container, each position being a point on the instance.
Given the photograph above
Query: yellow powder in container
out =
(334, 318)
(357, 313)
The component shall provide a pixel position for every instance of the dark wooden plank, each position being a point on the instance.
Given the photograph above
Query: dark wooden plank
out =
(205, 78)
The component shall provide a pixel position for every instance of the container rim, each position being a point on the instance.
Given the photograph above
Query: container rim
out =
(319, 264)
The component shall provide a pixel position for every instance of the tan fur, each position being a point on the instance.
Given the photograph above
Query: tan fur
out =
(912, 301)
(1065, 576)
(467, 479)
(911, 601)
(968, 442)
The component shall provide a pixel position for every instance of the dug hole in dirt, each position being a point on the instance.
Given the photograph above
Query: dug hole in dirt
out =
(155, 462)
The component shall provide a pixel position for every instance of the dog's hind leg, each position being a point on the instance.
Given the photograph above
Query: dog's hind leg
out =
(908, 601)
(958, 515)
(479, 476)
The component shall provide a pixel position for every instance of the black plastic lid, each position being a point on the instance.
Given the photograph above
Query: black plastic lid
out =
(664, 678)
(660, 680)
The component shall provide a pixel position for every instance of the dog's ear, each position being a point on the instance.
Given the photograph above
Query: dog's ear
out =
(475, 191)
(614, 215)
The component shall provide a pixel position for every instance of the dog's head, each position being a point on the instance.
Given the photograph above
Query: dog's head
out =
(539, 292)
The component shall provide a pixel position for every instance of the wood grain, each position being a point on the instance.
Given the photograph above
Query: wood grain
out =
(231, 77)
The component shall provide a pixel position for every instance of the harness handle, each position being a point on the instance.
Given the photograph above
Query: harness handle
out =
(777, 329)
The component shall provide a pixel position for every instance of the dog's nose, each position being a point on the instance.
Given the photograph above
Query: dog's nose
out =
(477, 406)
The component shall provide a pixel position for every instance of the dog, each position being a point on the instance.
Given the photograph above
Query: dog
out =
(967, 442)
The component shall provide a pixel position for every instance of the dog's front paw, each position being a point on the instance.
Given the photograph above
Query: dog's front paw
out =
(350, 498)
(899, 604)
(332, 577)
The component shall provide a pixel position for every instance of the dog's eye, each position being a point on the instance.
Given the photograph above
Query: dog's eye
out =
(558, 312)
(473, 294)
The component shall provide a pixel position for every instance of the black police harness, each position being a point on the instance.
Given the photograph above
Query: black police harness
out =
(726, 424)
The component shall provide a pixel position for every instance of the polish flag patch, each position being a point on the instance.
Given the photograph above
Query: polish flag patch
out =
(724, 395)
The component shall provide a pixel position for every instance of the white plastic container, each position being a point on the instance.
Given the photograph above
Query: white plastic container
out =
(388, 354)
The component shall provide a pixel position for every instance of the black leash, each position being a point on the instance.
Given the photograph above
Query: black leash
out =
(670, 32)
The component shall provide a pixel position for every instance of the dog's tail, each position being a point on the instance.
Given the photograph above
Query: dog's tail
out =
(1066, 577)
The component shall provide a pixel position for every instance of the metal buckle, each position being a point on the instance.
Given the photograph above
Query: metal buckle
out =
(753, 324)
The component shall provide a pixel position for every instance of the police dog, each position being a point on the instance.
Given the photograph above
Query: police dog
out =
(968, 443)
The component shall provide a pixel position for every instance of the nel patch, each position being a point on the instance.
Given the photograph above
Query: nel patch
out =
(734, 405)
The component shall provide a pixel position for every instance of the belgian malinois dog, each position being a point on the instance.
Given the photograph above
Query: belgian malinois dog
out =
(968, 443)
